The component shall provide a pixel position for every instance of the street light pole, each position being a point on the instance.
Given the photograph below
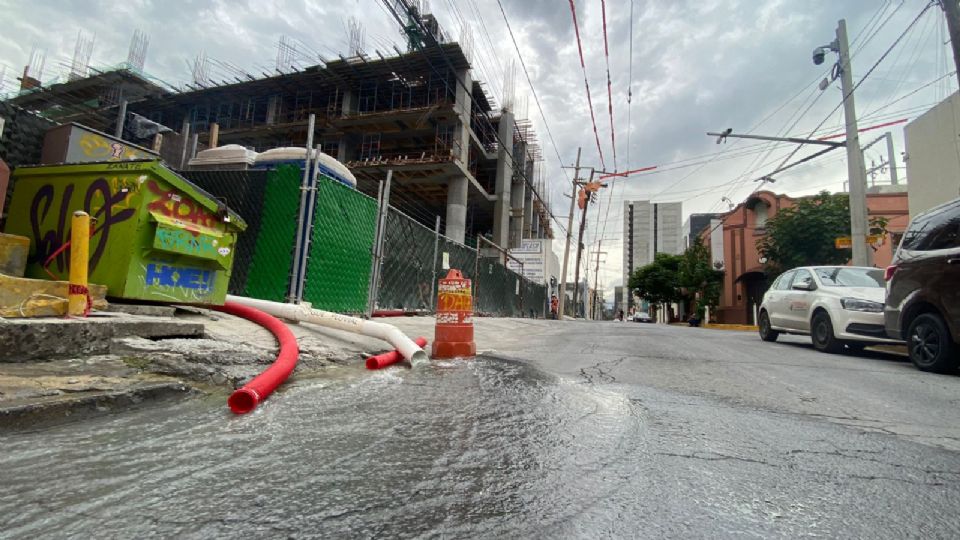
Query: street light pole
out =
(566, 250)
(855, 171)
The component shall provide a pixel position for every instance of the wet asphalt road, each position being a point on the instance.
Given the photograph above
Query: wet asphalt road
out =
(569, 429)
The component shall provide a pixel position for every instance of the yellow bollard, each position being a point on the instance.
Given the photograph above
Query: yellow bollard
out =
(79, 261)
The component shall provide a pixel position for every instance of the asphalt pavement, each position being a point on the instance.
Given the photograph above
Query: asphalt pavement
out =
(558, 430)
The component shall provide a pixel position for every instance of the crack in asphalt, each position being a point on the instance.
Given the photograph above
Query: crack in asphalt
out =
(597, 374)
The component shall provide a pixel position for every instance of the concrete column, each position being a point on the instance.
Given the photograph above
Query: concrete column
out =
(342, 149)
(464, 106)
(529, 224)
(456, 224)
(346, 108)
(501, 209)
(517, 199)
(272, 102)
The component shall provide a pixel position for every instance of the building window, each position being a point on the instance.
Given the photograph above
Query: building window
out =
(762, 211)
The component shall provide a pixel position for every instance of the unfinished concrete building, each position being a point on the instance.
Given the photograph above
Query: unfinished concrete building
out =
(419, 114)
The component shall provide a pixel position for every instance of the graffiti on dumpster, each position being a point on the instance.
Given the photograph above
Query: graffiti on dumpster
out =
(188, 243)
(169, 275)
(106, 206)
(173, 204)
(99, 148)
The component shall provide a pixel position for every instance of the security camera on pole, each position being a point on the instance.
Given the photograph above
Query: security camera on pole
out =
(855, 171)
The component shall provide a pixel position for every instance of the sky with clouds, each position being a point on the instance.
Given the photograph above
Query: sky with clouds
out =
(695, 66)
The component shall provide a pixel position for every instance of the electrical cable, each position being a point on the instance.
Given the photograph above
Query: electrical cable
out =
(586, 83)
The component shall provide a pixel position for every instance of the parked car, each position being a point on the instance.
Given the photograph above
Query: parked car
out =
(923, 289)
(837, 306)
(643, 317)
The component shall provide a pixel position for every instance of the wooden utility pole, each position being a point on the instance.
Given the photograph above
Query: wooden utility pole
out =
(562, 293)
(583, 225)
(596, 277)
(951, 8)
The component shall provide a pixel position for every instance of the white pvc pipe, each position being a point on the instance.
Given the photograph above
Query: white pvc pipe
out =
(300, 312)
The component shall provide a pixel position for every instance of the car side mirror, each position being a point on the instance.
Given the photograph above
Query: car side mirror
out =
(803, 286)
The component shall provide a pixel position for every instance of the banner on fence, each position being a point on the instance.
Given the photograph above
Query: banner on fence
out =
(533, 254)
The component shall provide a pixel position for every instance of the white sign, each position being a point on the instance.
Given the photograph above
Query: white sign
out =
(531, 254)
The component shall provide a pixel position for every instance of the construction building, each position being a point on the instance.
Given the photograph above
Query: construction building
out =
(420, 114)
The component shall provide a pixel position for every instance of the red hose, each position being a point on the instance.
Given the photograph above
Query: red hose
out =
(389, 358)
(247, 398)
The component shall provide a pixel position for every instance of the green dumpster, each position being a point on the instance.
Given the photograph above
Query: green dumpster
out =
(156, 236)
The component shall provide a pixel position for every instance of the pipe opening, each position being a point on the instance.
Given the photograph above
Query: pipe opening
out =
(243, 401)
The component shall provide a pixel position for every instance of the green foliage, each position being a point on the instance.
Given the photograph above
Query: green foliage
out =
(804, 234)
(699, 276)
(658, 281)
(675, 278)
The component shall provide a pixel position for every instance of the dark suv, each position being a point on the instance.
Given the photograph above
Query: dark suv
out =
(923, 289)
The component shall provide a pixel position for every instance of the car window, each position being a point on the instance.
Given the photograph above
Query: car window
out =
(783, 282)
(939, 230)
(802, 276)
(843, 276)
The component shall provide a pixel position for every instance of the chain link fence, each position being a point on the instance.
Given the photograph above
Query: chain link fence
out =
(340, 256)
(243, 192)
(407, 273)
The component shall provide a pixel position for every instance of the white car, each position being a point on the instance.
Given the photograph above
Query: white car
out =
(836, 306)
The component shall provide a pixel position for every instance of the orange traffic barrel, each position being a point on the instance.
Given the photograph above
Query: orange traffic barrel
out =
(453, 337)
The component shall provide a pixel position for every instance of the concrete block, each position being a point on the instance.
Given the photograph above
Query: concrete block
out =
(142, 309)
(13, 254)
(24, 340)
(25, 297)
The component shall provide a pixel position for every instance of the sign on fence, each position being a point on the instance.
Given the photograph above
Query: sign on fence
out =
(533, 255)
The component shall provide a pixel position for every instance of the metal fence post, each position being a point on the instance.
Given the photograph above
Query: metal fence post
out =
(296, 276)
(308, 227)
(522, 287)
(384, 206)
(476, 278)
(433, 280)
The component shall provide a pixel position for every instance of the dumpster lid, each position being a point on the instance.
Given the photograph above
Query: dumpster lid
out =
(155, 166)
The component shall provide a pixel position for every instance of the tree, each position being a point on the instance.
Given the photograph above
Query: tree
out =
(804, 234)
(658, 281)
(699, 276)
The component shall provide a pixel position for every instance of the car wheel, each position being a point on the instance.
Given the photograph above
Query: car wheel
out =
(930, 345)
(767, 333)
(821, 331)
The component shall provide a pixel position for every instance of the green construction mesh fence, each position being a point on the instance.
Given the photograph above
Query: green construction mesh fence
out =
(269, 274)
(338, 269)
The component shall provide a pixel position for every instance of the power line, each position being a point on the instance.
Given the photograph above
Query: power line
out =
(606, 54)
(586, 83)
(536, 99)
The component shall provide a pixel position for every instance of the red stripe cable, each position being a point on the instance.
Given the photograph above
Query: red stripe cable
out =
(606, 54)
(583, 66)
(58, 251)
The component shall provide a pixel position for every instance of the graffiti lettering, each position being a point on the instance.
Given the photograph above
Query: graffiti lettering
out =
(164, 275)
(126, 166)
(459, 301)
(174, 205)
(181, 241)
(106, 216)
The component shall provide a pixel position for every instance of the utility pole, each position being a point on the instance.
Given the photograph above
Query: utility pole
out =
(891, 160)
(596, 276)
(855, 170)
(952, 11)
(583, 225)
(566, 249)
